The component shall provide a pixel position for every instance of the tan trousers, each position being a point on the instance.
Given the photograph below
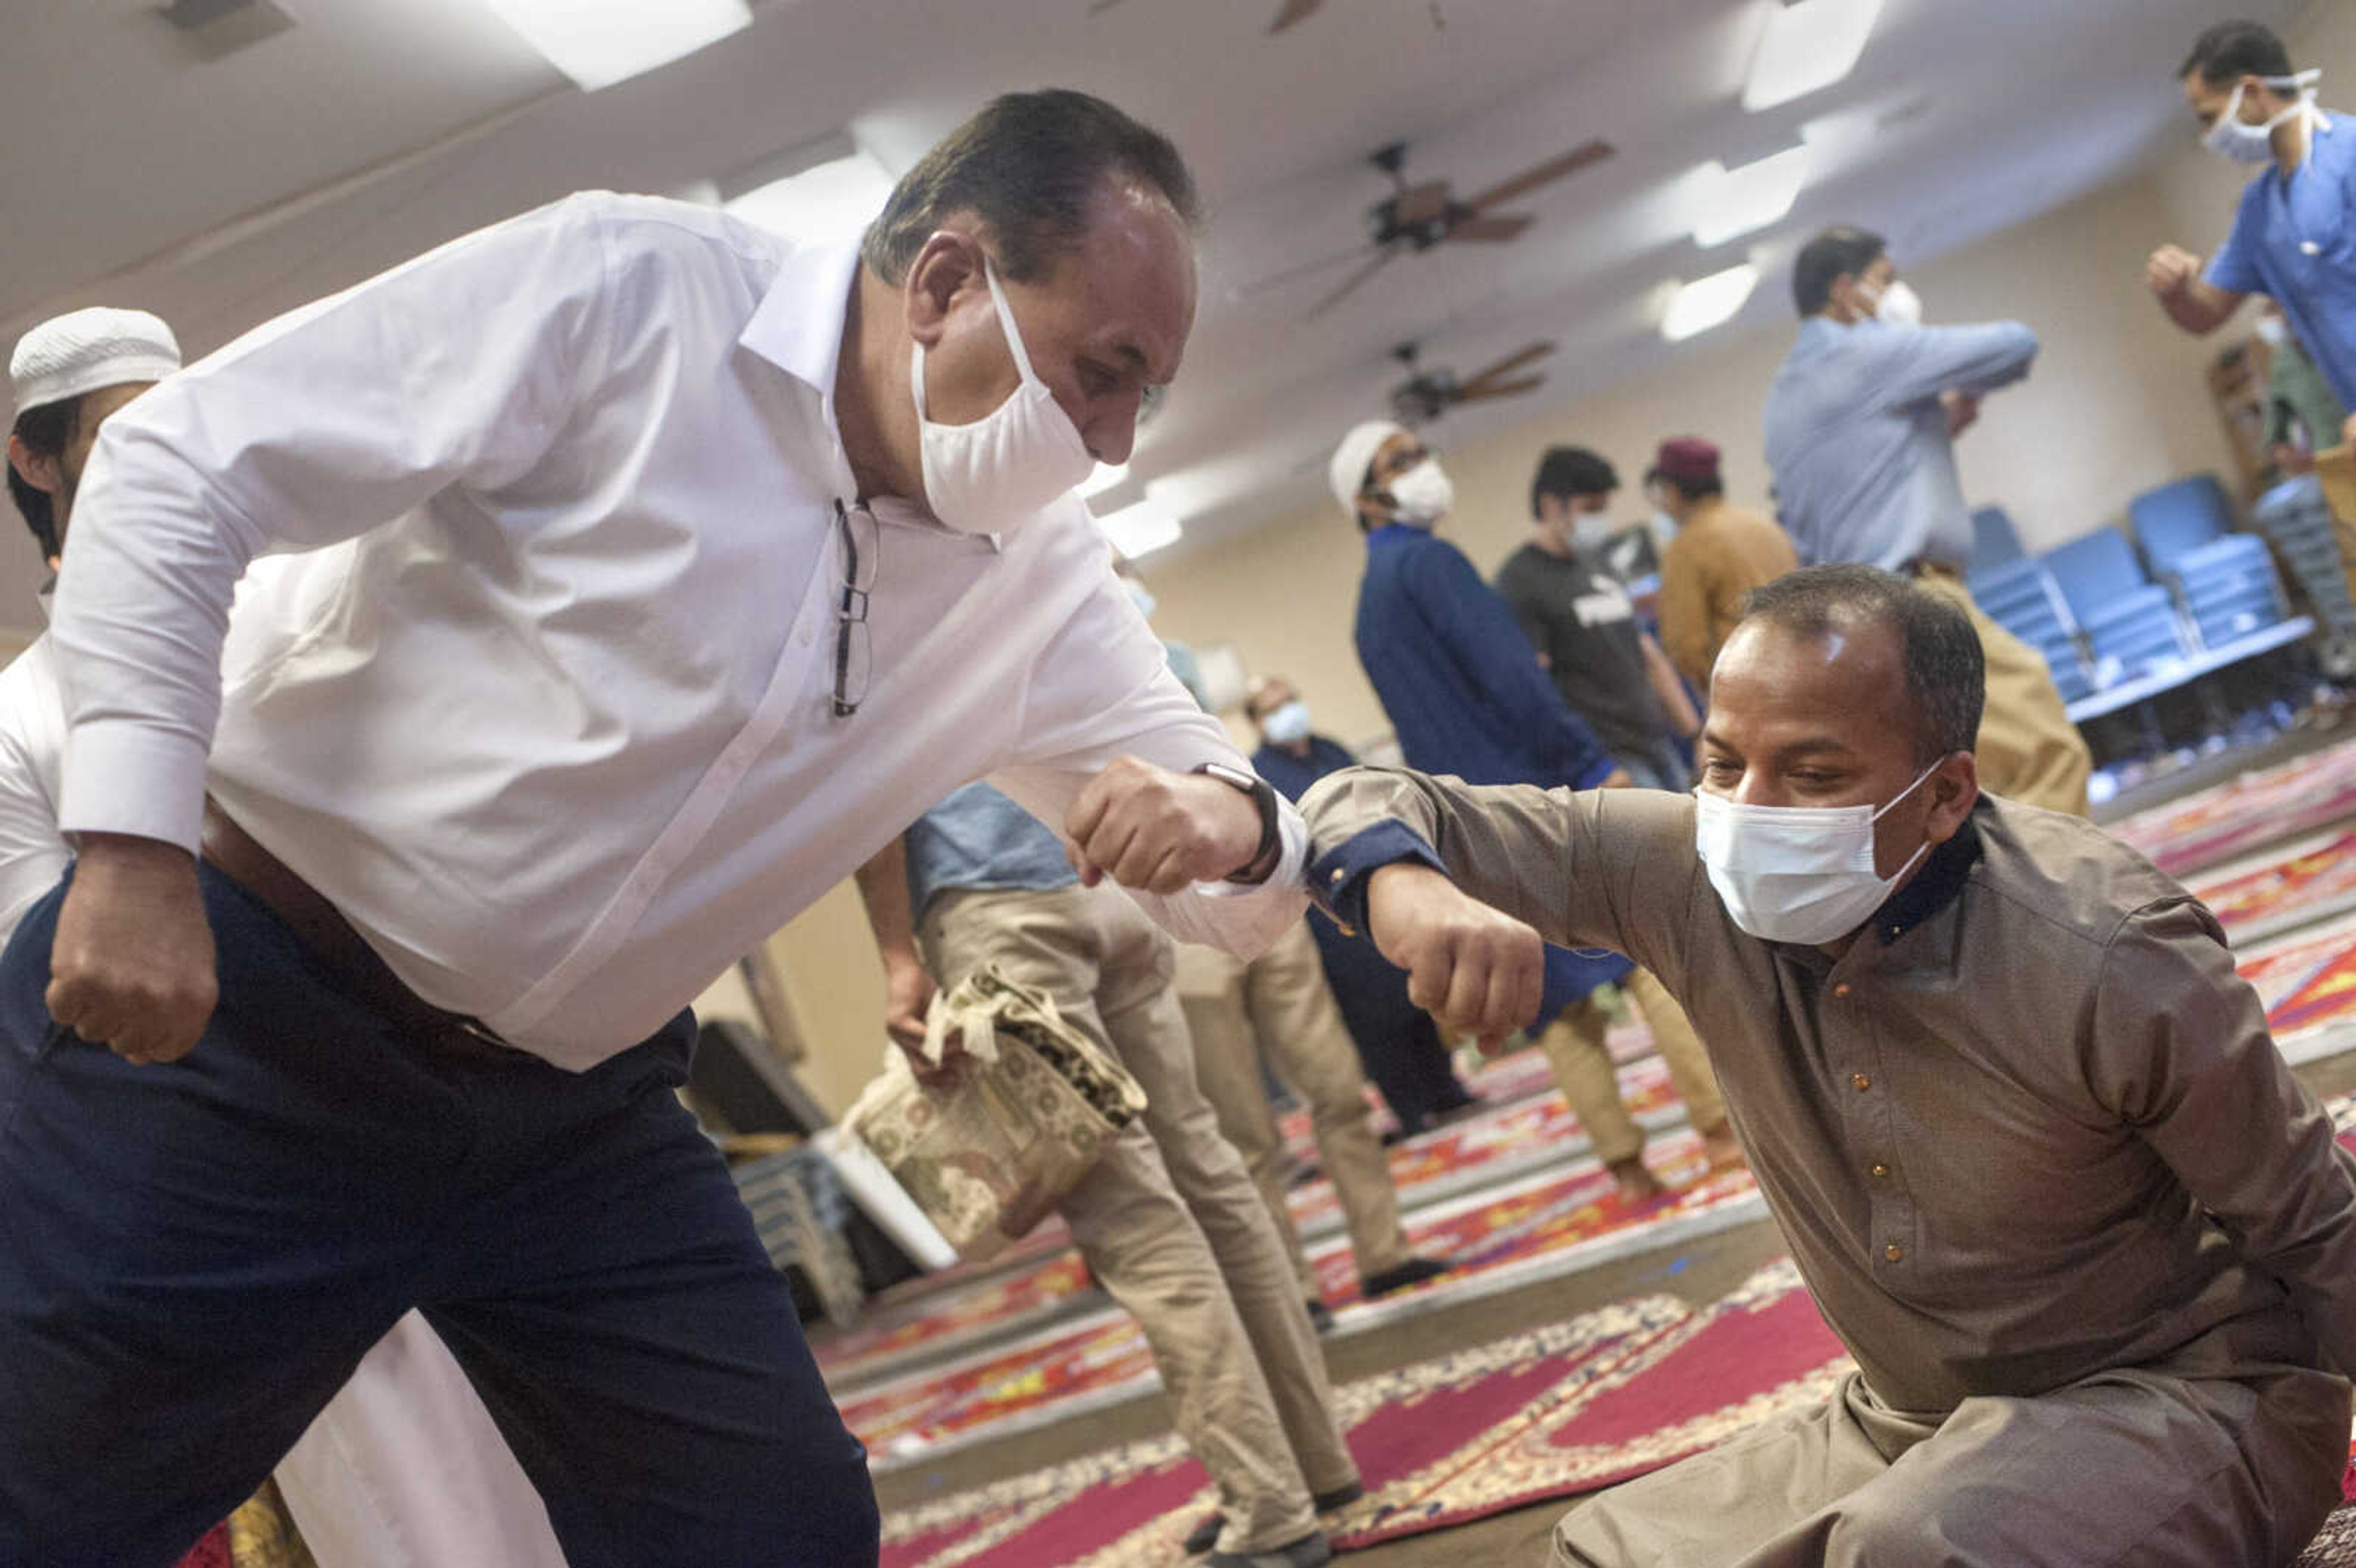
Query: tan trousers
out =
(1281, 1006)
(2028, 748)
(1574, 1048)
(1169, 1220)
(2131, 1469)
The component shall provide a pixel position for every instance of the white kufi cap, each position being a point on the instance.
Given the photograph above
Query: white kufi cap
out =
(1347, 472)
(85, 349)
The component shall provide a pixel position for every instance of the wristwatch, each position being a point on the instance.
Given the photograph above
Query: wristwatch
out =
(1263, 859)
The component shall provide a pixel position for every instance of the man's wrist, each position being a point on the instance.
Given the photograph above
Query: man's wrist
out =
(1267, 852)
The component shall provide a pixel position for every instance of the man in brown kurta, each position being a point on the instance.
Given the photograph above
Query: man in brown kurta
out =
(1719, 554)
(2024, 1128)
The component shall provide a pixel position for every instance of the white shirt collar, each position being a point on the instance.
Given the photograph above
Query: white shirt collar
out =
(798, 324)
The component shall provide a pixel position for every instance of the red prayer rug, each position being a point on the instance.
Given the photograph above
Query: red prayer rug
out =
(212, 1552)
(2307, 982)
(2206, 829)
(1562, 1409)
(2305, 883)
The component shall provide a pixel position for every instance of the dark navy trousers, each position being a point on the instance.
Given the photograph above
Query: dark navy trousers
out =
(193, 1258)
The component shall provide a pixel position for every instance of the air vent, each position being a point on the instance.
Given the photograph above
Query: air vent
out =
(208, 29)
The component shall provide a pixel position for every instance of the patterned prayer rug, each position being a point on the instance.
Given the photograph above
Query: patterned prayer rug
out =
(2206, 829)
(1562, 1409)
(2307, 982)
(2305, 883)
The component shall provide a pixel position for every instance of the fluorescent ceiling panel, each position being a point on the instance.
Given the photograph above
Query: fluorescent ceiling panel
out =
(600, 42)
(832, 200)
(1806, 47)
(1106, 477)
(1142, 528)
(1734, 202)
(1707, 302)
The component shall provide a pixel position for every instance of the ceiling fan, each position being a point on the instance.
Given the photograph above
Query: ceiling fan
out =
(1426, 395)
(1295, 13)
(1418, 217)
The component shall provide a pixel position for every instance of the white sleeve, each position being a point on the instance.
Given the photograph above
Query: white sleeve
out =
(1103, 690)
(33, 853)
(457, 368)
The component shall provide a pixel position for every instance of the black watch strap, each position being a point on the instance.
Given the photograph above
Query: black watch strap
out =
(1263, 794)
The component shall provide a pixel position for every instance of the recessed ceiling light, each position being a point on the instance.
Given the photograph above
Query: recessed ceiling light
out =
(600, 42)
(1142, 528)
(1736, 201)
(1106, 477)
(1806, 45)
(830, 200)
(1707, 302)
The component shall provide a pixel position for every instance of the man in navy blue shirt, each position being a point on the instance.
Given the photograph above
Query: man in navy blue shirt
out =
(2294, 235)
(1396, 1039)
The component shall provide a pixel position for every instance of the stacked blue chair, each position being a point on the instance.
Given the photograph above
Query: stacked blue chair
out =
(2298, 519)
(1994, 541)
(2130, 623)
(2020, 596)
(2225, 579)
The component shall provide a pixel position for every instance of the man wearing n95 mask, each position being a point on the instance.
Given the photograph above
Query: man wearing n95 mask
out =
(2091, 1245)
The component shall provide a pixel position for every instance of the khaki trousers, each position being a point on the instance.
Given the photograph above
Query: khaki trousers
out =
(1574, 1048)
(1280, 1006)
(2134, 1467)
(1169, 1220)
(2028, 748)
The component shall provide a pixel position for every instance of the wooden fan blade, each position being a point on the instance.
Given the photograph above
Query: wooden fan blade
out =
(1355, 281)
(1097, 7)
(1420, 204)
(1500, 389)
(1546, 173)
(1277, 280)
(1510, 362)
(1501, 225)
(1295, 12)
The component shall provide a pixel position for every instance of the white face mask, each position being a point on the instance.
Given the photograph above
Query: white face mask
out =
(1590, 528)
(2272, 331)
(1287, 722)
(1664, 526)
(1796, 873)
(1421, 495)
(987, 477)
(1900, 306)
(2246, 144)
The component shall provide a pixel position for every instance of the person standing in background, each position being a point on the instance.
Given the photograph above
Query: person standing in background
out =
(1397, 1040)
(2292, 238)
(1716, 556)
(1861, 425)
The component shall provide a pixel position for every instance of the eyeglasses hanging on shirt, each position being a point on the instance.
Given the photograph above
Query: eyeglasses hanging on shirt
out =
(861, 547)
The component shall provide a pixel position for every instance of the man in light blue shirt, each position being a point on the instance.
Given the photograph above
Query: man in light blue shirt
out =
(2294, 237)
(1862, 419)
(1862, 424)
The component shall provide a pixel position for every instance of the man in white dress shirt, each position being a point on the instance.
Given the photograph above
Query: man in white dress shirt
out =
(679, 568)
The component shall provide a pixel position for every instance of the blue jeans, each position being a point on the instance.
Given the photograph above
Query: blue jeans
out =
(194, 1257)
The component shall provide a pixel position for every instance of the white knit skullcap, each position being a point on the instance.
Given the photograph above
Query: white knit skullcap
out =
(1347, 472)
(85, 349)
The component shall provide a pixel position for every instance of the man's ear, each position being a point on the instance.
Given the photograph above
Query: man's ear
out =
(949, 266)
(1954, 790)
(41, 470)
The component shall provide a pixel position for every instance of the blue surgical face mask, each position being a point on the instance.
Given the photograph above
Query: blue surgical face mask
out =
(1287, 723)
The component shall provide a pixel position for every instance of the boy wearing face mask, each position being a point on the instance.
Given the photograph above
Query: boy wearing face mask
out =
(1861, 426)
(2091, 1245)
(2294, 235)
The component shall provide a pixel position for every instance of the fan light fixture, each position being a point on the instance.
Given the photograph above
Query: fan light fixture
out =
(600, 42)
(1734, 202)
(1142, 528)
(1807, 46)
(1708, 302)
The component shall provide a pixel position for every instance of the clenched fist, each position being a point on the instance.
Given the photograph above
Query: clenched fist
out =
(1159, 832)
(1473, 969)
(132, 967)
(2171, 271)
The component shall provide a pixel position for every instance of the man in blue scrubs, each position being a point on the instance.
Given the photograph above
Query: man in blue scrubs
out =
(2294, 237)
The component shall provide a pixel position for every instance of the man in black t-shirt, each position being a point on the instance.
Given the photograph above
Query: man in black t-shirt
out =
(1611, 672)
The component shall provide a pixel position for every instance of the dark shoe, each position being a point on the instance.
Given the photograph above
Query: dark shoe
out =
(1206, 1535)
(1311, 1550)
(1321, 1317)
(1415, 1271)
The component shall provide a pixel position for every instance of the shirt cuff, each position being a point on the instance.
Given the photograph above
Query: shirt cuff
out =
(1337, 879)
(129, 778)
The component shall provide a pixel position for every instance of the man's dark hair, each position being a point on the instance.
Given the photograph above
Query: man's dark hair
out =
(1946, 673)
(1838, 251)
(2231, 50)
(1027, 167)
(1571, 470)
(1695, 489)
(45, 431)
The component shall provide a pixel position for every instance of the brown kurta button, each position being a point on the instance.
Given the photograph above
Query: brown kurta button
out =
(1841, 989)
(1859, 1081)
(1893, 1252)
(1880, 1169)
